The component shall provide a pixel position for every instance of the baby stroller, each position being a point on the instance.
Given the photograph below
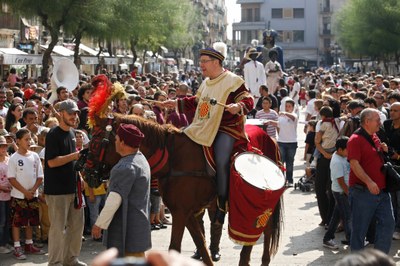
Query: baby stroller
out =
(306, 182)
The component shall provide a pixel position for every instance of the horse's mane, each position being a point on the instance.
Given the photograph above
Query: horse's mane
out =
(155, 134)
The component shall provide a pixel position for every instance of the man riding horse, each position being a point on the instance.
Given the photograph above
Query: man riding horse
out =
(218, 126)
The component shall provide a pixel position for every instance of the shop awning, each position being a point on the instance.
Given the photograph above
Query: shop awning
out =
(89, 60)
(110, 60)
(11, 51)
(60, 50)
(88, 50)
(13, 56)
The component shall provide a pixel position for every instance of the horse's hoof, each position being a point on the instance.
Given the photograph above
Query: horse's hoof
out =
(196, 255)
(215, 256)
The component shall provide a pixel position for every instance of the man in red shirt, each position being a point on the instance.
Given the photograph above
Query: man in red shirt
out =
(368, 200)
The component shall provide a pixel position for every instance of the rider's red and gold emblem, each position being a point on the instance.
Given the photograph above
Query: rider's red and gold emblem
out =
(204, 108)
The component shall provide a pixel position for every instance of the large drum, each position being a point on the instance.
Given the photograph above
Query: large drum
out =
(256, 185)
(259, 171)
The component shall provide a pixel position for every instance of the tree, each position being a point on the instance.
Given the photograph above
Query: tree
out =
(370, 28)
(53, 15)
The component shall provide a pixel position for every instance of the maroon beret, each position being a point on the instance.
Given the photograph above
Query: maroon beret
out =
(130, 135)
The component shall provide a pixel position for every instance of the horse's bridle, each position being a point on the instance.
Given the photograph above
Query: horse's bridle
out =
(96, 170)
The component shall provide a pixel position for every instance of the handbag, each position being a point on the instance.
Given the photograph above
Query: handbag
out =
(392, 177)
(391, 172)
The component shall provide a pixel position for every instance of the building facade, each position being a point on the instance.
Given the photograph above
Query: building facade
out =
(303, 26)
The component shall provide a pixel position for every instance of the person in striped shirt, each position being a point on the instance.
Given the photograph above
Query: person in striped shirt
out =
(268, 115)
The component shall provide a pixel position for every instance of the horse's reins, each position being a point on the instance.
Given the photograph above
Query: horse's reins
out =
(106, 139)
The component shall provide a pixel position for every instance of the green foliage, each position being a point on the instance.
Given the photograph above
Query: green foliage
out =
(369, 27)
(142, 24)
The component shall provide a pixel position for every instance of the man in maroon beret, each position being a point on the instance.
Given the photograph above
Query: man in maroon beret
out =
(129, 189)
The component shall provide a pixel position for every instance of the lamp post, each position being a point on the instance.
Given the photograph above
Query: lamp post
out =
(15, 38)
(336, 52)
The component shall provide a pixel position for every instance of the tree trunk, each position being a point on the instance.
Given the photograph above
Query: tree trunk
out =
(78, 38)
(109, 48)
(176, 51)
(47, 54)
(144, 61)
(133, 43)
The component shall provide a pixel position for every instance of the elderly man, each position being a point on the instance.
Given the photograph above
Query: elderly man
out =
(126, 212)
(368, 200)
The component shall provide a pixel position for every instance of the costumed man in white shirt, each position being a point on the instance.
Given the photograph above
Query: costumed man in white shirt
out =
(125, 215)
(274, 72)
(254, 73)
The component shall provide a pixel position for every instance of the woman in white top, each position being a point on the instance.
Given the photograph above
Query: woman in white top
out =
(287, 138)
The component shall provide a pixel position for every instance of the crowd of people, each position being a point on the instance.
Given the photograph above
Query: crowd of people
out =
(352, 124)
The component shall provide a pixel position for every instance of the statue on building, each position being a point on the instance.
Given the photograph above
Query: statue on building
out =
(269, 36)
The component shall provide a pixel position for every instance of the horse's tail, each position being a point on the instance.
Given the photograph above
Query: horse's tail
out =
(277, 226)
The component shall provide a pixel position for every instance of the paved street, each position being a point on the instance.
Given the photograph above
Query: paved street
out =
(301, 242)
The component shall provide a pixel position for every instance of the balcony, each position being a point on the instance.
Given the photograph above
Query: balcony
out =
(326, 32)
(254, 25)
(325, 10)
(250, 2)
(9, 21)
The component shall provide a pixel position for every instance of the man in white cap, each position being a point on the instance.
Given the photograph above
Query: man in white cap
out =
(254, 74)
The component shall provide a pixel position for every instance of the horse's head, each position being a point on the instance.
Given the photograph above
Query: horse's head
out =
(102, 155)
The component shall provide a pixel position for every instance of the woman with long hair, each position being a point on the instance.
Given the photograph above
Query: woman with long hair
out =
(13, 116)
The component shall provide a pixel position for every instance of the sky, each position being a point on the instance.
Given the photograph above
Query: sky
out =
(233, 12)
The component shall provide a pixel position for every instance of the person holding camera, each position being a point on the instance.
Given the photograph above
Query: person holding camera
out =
(125, 215)
(60, 186)
(368, 198)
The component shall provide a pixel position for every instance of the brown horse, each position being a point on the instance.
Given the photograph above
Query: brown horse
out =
(184, 184)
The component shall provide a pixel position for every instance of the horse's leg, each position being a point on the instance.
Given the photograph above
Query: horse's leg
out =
(178, 227)
(266, 257)
(245, 256)
(198, 237)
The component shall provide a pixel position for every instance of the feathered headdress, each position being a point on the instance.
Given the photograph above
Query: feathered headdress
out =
(103, 94)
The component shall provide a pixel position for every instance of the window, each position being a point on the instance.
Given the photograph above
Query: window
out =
(249, 14)
(298, 12)
(256, 14)
(298, 36)
(288, 36)
(279, 37)
(244, 18)
(288, 13)
(276, 12)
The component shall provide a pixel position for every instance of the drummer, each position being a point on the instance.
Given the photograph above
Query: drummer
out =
(217, 126)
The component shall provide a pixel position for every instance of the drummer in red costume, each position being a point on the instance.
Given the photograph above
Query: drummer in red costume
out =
(217, 126)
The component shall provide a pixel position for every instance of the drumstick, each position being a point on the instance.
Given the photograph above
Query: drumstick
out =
(148, 100)
(213, 101)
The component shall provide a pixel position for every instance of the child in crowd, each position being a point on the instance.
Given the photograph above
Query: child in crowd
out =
(5, 189)
(310, 142)
(268, 115)
(43, 209)
(302, 97)
(25, 174)
(340, 170)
